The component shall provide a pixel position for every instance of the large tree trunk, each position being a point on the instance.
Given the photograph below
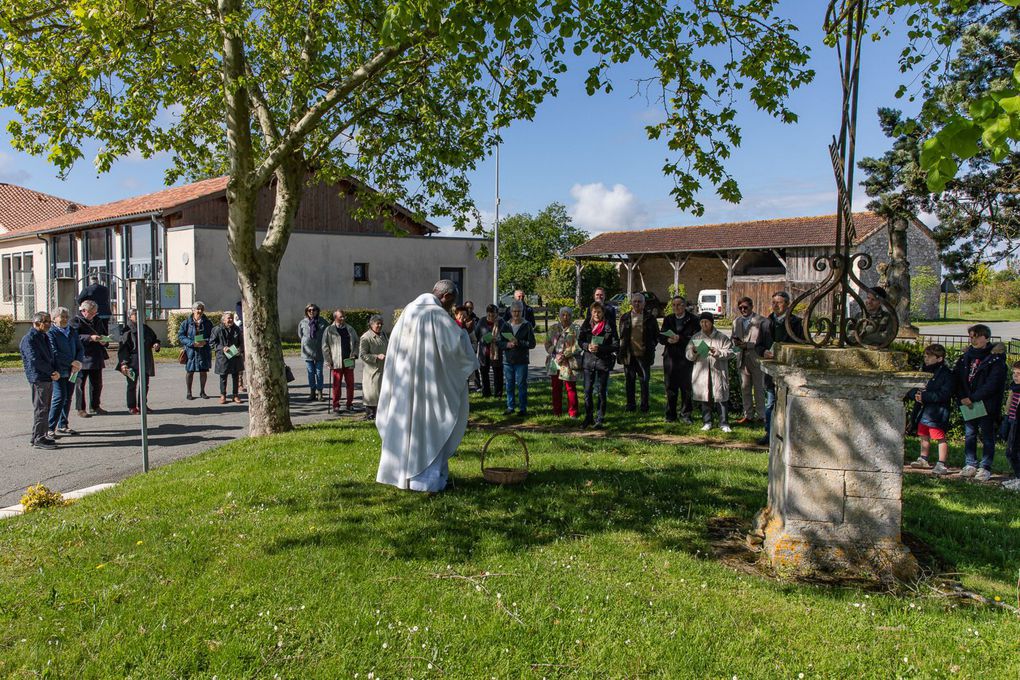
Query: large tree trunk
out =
(898, 272)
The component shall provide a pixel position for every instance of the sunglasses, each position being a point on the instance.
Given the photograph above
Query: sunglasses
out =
(743, 307)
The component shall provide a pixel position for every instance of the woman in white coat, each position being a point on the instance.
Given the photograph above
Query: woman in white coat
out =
(710, 352)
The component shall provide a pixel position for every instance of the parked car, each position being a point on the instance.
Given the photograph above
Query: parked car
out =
(652, 302)
(714, 301)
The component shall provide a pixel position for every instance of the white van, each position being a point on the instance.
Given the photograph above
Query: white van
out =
(712, 301)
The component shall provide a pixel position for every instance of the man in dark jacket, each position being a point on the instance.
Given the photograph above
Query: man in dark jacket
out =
(68, 355)
(639, 334)
(529, 312)
(931, 409)
(99, 294)
(773, 330)
(41, 371)
(677, 330)
(980, 379)
(92, 331)
(608, 311)
(128, 356)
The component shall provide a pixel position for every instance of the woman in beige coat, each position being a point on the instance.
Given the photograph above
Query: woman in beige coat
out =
(710, 352)
(372, 350)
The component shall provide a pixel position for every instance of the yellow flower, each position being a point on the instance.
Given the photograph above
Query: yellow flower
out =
(138, 543)
(100, 566)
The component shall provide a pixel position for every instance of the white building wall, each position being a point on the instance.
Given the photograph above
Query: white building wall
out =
(40, 265)
(319, 268)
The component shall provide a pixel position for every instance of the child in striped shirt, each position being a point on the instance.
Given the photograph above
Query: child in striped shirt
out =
(1009, 430)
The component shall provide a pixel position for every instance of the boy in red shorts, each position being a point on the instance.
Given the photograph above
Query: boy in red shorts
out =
(931, 409)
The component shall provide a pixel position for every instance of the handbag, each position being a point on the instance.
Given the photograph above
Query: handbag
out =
(289, 373)
(182, 358)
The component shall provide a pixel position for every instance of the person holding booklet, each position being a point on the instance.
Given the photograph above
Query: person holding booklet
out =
(980, 384)
(677, 330)
(600, 342)
(563, 362)
(41, 372)
(94, 339)
(128, 357)
(227, 341)
(490, 356)
(710, 351)
(340, 345)
(68, 355)
(517, 341)
(372, 349)
(194, 335)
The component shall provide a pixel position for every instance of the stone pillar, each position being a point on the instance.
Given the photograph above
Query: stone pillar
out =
(836, 463)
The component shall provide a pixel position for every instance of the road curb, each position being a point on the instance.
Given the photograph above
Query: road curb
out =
(15, 510)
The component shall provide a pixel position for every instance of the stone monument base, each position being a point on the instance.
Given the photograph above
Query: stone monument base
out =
(836, 463)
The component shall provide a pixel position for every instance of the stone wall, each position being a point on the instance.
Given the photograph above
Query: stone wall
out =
(921, 251)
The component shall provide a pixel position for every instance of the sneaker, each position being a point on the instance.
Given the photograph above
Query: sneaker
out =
(48, 444)
(203, 395)
(920, 464)
(968, 471)
(48, 440)
(983, 475)
(940, 469)
(311, 397)
(1012, 484)
(725, 428)
(66, 431)
(50, 434)
(706, 427)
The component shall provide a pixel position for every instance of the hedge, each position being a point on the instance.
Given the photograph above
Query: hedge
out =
(356, 317)
(6, 330)
(175, 319)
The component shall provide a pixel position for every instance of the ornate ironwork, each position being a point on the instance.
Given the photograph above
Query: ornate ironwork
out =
(842, 286)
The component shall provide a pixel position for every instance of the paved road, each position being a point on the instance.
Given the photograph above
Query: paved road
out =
(1003, 329)
(109, 447)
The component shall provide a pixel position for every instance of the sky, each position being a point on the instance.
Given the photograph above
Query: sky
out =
(592, 155)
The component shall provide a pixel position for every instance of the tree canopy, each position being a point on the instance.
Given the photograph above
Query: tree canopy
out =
(528, 244)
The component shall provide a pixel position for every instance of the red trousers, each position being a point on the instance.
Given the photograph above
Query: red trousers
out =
(557, 397)
(343, 375)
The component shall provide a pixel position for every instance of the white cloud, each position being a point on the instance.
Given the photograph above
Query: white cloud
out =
(10, 170)
(598, 208)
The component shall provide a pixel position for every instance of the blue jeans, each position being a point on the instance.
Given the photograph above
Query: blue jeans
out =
(983, 426)
(770, 406)
(60, 403)
(515, 376)
(314, 375)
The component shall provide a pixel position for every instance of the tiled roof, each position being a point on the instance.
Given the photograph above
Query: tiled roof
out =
(21, 207)
(779, 233)
(138, 205)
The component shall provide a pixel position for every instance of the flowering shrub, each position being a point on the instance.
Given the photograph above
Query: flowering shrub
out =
(39, 496)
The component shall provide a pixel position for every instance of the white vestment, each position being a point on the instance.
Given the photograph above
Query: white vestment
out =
(423, 403)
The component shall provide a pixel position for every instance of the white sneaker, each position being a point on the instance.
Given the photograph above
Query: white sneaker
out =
(726, 428)
(1012, 484)
(920, 464)
(940, 469)
(968, 471)
(706, 427)
(983, 475)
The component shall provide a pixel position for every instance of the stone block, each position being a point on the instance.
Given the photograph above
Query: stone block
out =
(814, 494)
(875, 518)
(843, 434)
(842, 359)
(874, 484)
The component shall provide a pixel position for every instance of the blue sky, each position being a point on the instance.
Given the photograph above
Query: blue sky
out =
(592, 155)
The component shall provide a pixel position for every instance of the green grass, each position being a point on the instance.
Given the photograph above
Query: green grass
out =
(972, 312)
(283, 556)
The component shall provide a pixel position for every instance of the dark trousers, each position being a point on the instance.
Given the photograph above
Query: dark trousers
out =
(1012, 447)
(677, 376)
(60, 403)
(42, 395)
(234, 380)
(637, 369)
(133, 398)
(985, 427)
(93, 376)
(706, 412)
(594, 379)
(492, 377)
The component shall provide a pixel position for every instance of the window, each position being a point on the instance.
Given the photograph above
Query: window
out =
(455, 274)
(65, 256)
(361, 271)
(8, 274)
(12, 266)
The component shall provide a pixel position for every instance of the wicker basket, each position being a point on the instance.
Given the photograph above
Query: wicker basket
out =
(504, 475)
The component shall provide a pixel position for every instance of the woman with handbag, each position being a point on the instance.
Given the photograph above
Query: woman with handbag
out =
(194, 336)
(227, 342)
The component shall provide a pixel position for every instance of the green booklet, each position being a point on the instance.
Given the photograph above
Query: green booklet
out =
(975, 410)
(487, 338)
(598, 339)
(669, 334)
(508, 336)
(105, 338)
(702, 349)
(348, 362)
(231, 352)
(73, 377)
(199, 337)
(131, 374)
(553, 367)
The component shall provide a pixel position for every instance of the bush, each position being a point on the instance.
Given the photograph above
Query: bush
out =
(680, 290)
(6, 330)
(562, 280)
(39, 496)
(175, 319)
(554, 305)
(356, 317)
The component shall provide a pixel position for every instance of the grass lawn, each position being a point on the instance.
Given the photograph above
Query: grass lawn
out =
(973, 312)
(283, 556)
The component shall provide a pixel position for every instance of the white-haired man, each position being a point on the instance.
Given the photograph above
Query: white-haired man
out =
(423, 403)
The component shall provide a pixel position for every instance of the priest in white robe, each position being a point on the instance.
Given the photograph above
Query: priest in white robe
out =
(423, 403)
